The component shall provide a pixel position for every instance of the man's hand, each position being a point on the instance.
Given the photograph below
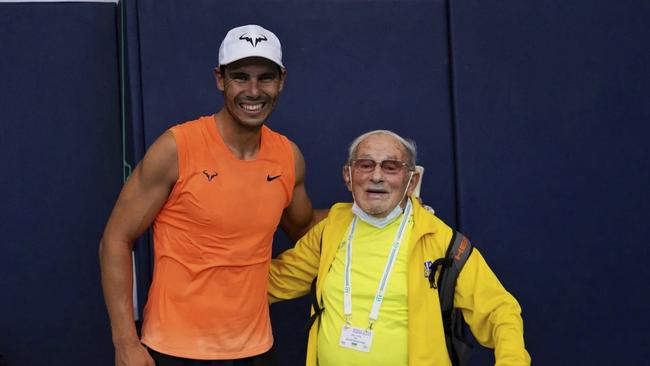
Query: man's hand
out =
(132, 354)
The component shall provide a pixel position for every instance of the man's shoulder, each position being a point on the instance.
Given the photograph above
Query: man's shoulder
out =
(337, 213)
(191, 124)
(341, 208)
(427, 223)
(268, 133)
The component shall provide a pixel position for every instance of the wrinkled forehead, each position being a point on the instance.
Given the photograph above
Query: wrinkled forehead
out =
(381, 147)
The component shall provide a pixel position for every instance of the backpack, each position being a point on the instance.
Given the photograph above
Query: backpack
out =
(458, 346)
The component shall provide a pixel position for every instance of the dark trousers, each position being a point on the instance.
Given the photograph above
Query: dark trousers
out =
(161, 359)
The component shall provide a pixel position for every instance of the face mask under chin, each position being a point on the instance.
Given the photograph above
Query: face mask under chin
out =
(378, 222)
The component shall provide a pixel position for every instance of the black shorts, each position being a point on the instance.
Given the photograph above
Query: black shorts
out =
(161, 359)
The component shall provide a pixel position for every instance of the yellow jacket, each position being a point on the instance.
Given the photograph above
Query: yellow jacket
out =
(491, 312)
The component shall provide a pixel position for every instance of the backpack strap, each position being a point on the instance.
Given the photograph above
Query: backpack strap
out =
(458, 251)
(314, 304)
(312, 294)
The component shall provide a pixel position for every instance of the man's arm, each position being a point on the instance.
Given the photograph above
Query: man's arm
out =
(292, 272)
(299, 216)
(141, 198)
(492, 313)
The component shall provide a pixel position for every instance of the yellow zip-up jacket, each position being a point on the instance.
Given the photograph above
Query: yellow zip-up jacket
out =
(493, 314)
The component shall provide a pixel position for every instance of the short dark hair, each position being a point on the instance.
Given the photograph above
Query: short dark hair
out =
(222, 69)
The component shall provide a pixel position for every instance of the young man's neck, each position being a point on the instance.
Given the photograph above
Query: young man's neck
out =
(243, 142)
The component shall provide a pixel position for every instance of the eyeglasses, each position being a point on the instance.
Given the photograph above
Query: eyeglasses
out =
(387, 166)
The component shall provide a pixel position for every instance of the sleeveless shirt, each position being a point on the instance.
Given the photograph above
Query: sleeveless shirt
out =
(212, 246)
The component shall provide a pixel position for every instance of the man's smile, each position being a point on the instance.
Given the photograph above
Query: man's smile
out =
(376, 193)
(252, 107)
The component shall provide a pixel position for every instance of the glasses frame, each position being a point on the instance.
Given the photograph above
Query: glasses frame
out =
(380, 163)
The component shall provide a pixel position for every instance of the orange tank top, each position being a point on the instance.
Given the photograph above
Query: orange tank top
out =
(212, 246)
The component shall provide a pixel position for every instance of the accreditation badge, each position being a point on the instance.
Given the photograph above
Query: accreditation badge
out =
(356, 338)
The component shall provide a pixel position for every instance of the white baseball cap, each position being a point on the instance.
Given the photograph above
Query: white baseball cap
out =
(250, 41)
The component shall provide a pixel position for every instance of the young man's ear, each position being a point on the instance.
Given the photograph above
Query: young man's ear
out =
(283, 76)
(219, 78)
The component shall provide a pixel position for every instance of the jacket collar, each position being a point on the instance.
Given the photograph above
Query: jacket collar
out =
(423, 224)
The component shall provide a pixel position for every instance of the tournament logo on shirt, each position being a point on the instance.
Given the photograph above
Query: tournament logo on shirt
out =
(427, 268)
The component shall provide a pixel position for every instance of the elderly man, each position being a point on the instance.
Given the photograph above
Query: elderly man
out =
(369, 256)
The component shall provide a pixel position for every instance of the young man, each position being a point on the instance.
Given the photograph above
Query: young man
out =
(370, 256)
(215, 190)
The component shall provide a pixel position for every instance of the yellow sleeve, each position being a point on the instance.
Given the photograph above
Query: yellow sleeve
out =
(493, 314)
(293, 271)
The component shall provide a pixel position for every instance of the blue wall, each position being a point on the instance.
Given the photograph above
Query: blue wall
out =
(531, 120)
(552, 101)
(61, 148)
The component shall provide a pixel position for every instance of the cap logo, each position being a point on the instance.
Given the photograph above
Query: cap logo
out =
(258, 39)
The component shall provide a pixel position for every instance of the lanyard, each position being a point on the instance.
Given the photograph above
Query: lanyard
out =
(390, 262)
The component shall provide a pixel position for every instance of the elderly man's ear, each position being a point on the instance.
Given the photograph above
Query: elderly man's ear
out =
(347, 177)
(414, 183)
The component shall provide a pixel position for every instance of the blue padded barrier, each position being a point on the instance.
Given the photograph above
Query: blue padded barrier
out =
(552, 107)
(352, 66)
(60, 142)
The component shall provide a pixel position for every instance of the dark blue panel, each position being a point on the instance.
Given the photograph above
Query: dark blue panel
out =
(553, 105)
(60, 142)
(353, 66)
